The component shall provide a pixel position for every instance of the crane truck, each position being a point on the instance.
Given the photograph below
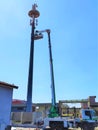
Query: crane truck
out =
(87, 119)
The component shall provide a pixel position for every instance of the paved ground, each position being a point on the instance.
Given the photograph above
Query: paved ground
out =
(17, 128)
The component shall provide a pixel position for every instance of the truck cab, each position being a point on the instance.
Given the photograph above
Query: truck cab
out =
(88, 114)
(87, 119)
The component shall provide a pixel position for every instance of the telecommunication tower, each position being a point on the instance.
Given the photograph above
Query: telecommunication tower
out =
(34, 14)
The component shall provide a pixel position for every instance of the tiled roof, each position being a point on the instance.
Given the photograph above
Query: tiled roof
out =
(17, 101)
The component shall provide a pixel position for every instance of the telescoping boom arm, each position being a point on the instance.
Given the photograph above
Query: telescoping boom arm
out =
(53, 109)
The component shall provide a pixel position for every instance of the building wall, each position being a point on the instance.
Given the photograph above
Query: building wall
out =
(84, 105)
(5, 106)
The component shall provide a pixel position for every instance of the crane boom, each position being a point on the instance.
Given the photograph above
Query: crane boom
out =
(53, 110)
(51, 72)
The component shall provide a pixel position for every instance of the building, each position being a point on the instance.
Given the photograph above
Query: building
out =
(6, 93)
(20, 105)
(19, 114)
(91, 103)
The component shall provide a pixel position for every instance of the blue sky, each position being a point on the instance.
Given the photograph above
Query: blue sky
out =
(74, 39)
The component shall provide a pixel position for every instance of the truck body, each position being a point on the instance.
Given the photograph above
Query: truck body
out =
(86, 120)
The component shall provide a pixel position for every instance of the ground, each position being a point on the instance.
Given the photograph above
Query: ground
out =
(17, 128)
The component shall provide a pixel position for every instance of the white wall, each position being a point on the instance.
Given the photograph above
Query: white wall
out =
(5, 106)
